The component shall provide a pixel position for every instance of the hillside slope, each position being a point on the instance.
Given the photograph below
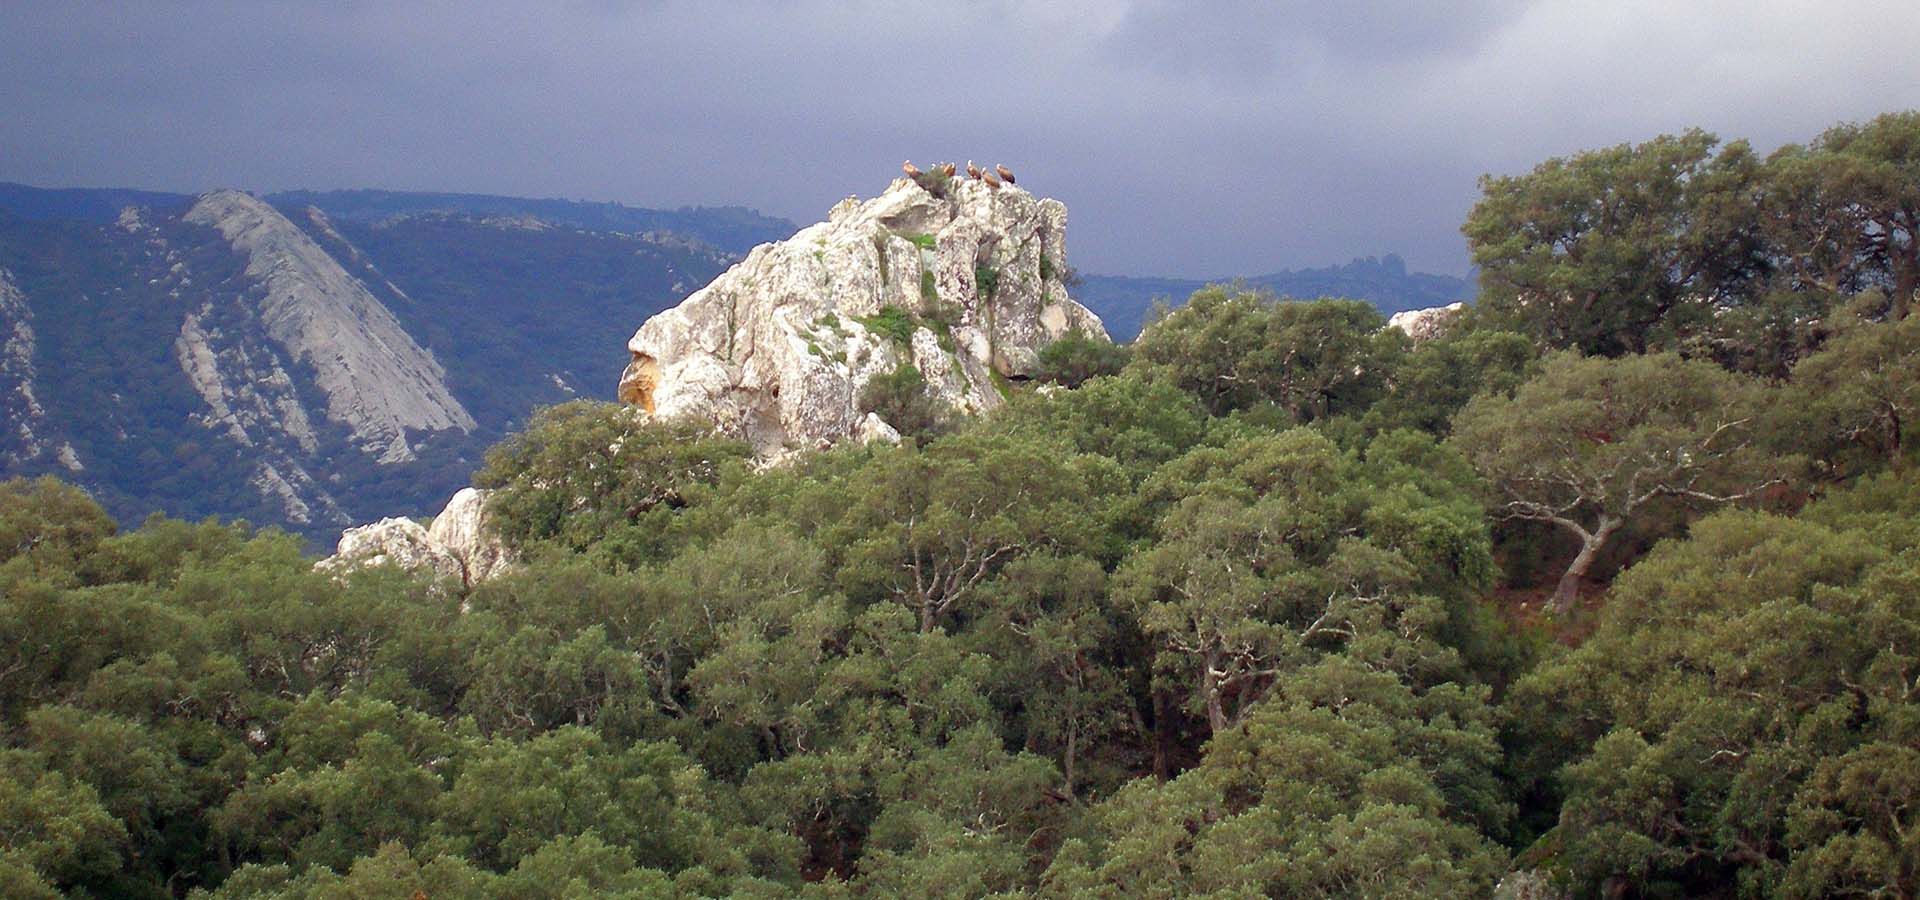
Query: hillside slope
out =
(222, 356)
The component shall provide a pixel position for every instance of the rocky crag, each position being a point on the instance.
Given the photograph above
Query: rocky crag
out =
(957, 277)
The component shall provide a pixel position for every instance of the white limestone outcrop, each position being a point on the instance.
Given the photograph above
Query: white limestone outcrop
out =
(1423, 325)
(376, 379)
(458, 548)
(965, 285)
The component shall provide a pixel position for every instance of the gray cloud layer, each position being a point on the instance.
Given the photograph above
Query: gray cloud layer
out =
(1191, 139)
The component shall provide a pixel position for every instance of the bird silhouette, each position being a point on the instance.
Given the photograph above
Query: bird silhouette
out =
(991, 181)
(973, 171)
(909, 168)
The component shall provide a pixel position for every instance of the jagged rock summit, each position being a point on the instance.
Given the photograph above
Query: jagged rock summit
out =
(956, 277)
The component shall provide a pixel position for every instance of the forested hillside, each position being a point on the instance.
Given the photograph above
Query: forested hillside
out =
(1610, 589)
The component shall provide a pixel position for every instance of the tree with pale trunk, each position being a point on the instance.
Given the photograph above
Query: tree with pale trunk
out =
(1591, 443)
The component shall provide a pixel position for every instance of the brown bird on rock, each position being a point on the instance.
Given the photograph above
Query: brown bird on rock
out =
(1006, 174)
(991, 181)
(909, 168)
(948, 169)
(973, 171)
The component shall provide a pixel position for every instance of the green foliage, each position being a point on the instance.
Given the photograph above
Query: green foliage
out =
(1245, 350)
(1681, 243)
(986, 280)
(918, 239)
(1853, 406)
(1074, 358)
(892, 323)
(903, 399)
(1332, 788)
(1599, 251)
(1588, 444)
(1434, 382)
(47, 527)
(1747, 745)
(583, 470)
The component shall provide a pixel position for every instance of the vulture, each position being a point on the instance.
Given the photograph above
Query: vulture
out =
(1006, 174)
(973, 171)
(908, 168)
(991, 181)
(948, 169)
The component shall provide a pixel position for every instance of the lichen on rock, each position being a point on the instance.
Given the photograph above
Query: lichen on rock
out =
(776, 350)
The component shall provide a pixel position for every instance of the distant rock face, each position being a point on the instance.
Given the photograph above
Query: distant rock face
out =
(960, 285)
(1425, 324)
(23, 414)
(375, 378)
(458, 548)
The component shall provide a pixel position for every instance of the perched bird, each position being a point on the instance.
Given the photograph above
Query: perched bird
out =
(909, 168)
(948, 169)
(991, 181)
(973, 171)
(1006, 174)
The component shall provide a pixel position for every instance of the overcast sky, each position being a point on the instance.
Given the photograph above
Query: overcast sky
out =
(1203, 139)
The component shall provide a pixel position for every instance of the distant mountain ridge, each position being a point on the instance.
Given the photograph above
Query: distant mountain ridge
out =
(1124, 303)
(226, 355)
(732, 229)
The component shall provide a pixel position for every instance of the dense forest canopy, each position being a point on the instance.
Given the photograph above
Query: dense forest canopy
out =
(1611, 589)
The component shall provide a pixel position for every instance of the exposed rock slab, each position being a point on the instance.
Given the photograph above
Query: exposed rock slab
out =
(20, 406)
(965, 286)
(375, 378)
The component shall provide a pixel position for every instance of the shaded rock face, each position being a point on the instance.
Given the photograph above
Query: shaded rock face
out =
(1423, 325)
(960, 285)
(458, 548)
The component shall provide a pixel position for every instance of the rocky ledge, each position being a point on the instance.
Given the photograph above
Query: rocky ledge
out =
(963, 279)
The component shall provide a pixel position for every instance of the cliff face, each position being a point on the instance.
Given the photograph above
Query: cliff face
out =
(963, 285)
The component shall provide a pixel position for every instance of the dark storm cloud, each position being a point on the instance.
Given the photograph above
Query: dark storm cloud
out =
(1248, 42)
(1202, 139)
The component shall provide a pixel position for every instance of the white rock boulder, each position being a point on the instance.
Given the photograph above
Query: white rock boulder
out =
(459, 549)
(963, 282)
(1423, 325)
